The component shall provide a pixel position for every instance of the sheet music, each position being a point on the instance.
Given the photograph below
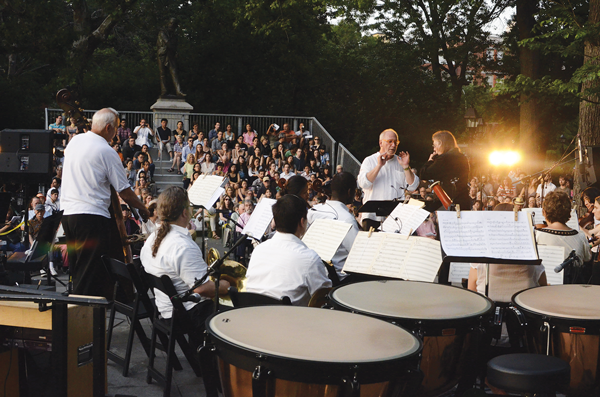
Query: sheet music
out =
(458, 271)
(551, 257)
(416, 203)
(409, 218)
(487, 234)
(203, 190)
(260, 219)
(363, 252)
(325, 236)
(424, 260)
(573, 221)
(394, 255)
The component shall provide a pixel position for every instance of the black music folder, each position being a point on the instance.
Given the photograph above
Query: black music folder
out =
(379, 207)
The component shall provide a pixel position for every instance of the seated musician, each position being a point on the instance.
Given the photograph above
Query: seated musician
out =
(284, 265)
(343, 187)
(170, 250)
(557, 211)
(505, 280)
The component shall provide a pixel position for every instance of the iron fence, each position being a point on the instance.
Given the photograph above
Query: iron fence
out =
(260, 123)
(347, 160)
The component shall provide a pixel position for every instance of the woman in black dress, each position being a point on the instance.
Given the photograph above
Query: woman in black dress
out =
(450, 166)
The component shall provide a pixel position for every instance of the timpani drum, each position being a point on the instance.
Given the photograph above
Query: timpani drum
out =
(564, 321)
(283, 351)
(444, 316)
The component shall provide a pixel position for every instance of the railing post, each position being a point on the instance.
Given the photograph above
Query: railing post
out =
(239, 126)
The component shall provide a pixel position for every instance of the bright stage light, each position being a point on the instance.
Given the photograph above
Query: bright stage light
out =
(505, 157)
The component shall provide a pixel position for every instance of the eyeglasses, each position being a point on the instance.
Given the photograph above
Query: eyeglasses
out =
(391, 141)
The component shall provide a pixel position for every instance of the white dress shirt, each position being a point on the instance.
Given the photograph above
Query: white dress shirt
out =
(180, 258)
(142, 136)
(91, 167)
(389, 184)
(338, 211)
(548, 187)
(285, 266)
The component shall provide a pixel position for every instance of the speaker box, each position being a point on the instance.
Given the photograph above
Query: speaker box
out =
(26, 155)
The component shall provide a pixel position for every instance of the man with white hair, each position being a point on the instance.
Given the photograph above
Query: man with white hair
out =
(91, 167)
(385, 175)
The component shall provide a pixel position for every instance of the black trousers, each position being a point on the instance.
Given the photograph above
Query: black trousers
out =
(88, 238)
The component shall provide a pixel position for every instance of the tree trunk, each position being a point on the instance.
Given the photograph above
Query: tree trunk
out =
(589, 109)
(529, 59)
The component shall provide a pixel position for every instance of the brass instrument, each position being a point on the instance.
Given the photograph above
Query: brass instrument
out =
(231, 271)
(317, 186)
(282, 182)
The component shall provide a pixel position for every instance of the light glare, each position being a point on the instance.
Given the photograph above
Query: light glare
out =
(506, 157)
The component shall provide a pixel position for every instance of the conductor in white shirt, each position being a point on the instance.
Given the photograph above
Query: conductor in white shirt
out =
(385, 175)
(91, 166)
(343, 187)
(284, 265)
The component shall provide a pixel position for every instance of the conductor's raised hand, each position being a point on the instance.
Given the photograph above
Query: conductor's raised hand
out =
(404, 159)
(382, 159)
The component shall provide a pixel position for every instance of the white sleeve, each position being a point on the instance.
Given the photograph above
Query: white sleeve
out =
(190, 265)
(365, 168)
(415, 184)
(317, 277)
(115, 171)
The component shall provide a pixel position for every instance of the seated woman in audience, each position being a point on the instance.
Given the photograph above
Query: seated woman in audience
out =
(249, 135)
(276, 156)
(242, 191)
(242, 168)
(531, 202)
(177, 150)
(313, 166)
(272, 168)
(317, 157)
(532, 187)
(226, 206)
(199, 154)
(208, 167)
(228, 135)
(557, 211)
(254, 143)
(505, 280)
(233, 175)
(188, 170)
(506, 189)
(130, 173)
(223, 154)
(219, 170)
(259, 155)
(195, 176)
(290, 161)
(205, 146)
(179, 131)
(588, 198)
(253, 167)
(236, 153)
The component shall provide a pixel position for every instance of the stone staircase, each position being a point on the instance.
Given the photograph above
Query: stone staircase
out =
(162, 178)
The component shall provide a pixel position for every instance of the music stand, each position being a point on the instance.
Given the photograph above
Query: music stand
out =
(379, 207)
(37, 258)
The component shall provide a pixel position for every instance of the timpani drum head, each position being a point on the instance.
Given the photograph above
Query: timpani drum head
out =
(398, 299)
(303, 333)
(312, 345)
(570, 301)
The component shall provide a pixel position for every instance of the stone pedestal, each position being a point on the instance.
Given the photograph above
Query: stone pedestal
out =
(173, 109)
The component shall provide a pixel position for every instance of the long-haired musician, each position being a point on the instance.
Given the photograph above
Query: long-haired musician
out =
(170, 250)
(450, 166)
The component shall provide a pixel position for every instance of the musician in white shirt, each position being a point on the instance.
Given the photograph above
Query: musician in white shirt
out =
(385, 175)
(284, 265)
(91, 166)
(343, 188)
(171, 251)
